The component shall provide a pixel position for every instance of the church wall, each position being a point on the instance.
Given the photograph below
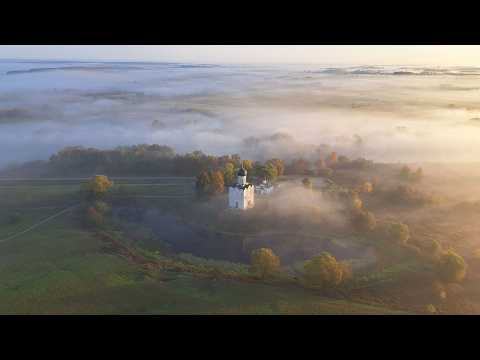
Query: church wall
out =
(245, 198)
(236, 195)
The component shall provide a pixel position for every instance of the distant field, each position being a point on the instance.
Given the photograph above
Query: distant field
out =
(22, 196)
(58, 192)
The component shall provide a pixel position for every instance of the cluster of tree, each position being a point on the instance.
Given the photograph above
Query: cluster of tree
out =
(142, 160)
(409, 175)
(449, 266)
(213, 181)
(322, 271)
(361, 219)
(325, 166)
(210, 183)
(407, 195)
(393, 232)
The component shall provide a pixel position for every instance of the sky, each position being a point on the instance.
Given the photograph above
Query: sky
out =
(435, 55)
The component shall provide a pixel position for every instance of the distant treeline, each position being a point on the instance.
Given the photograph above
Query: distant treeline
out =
(160, 160)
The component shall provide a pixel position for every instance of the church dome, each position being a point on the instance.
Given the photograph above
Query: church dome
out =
(242, 172)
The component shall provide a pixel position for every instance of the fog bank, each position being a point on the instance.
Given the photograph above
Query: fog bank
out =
(383, 113)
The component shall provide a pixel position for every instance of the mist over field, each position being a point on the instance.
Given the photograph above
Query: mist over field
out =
(383, 113)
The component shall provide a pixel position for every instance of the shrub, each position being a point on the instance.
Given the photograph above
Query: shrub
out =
(439, 291)
(352, 200)
(307, 183)
(325, 172)
(325, 271)
(452, 267)
(101, 207)
(364, 221)
(94, 218)
(366, 187)
(264, 261)
(399, 232)
(405, 173)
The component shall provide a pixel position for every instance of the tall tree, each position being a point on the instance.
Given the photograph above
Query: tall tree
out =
(218, 183)
(229, 173)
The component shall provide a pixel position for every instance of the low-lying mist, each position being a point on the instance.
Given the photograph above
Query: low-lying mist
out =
(384, 114)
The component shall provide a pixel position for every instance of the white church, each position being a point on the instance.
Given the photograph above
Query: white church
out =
(242, 194)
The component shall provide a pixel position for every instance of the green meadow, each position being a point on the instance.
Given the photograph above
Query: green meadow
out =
(61, 269)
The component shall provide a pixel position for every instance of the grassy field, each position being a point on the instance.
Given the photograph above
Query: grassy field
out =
(27, 196)
(60, 269)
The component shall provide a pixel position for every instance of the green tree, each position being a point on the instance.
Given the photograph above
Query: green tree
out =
(268, 171)
(229, 173)
(325, 271)
(452, 267)
(278, 164)
(264, 261)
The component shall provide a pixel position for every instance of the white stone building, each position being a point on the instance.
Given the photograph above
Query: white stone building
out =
(242, 194)
(265, 188)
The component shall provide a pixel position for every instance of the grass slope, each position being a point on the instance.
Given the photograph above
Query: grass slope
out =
(60, 269)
